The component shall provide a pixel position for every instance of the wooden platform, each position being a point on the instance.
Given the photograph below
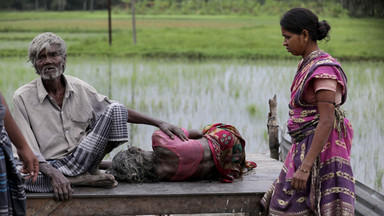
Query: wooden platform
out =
(242, 196)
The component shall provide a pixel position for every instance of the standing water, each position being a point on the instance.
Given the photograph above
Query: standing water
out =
(194, 94)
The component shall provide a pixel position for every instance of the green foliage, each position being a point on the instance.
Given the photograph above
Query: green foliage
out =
(253, 110)
(354, 8)
(184, 36)
(238, 7)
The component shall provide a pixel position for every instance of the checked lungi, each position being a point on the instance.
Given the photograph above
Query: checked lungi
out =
(12, 195)
(110, 127)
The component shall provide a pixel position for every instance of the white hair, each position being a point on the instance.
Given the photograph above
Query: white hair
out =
(44, 41)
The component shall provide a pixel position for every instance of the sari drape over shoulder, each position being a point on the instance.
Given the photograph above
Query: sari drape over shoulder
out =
(330, 188)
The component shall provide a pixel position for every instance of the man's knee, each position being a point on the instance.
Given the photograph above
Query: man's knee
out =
(117, 106)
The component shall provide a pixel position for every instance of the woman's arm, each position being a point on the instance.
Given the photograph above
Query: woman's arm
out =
(30, 162)
(194, 133)
(325, 104)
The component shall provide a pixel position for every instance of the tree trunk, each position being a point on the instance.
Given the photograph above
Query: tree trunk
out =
(61, 5)
(36, 5)
(91, 5)
(109, 24)
(84, 5)
(133, 22)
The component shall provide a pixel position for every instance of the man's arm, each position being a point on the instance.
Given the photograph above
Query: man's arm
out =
(169, 129)
(60, 184)
(21, 119)
(99, 102)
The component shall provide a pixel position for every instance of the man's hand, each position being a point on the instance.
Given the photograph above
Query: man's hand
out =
(61, 185)
(172, 130)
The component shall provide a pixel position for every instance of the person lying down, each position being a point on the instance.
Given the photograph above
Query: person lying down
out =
(215, 153)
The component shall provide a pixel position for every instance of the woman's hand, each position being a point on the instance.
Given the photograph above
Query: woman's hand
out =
(300, 179)
(172, 130)
(30, 163)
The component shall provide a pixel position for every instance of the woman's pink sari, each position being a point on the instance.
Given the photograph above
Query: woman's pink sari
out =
(330, 188)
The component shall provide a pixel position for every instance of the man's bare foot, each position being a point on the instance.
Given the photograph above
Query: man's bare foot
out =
(99, 180)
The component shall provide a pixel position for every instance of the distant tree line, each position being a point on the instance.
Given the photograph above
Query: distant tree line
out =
(364, 8)
(353, 8)
(55, 5)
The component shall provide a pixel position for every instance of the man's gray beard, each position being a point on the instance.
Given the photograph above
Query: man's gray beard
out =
(52, 76)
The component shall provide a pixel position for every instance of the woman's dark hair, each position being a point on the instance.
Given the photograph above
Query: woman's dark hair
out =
(298, 19)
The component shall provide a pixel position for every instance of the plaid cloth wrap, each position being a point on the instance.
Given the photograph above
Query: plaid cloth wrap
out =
(12, 195)
(110, 127)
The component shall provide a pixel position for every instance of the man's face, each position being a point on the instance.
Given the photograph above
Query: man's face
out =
(49, 63)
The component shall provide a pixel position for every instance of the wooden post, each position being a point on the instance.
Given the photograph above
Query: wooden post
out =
(273, 129)
(109, 23)
(133, 21)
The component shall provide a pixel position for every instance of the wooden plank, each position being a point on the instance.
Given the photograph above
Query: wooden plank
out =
(368, 201)
(165, 197)
(151, 205)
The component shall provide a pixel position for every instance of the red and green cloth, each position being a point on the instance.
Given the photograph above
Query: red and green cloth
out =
(228, 150)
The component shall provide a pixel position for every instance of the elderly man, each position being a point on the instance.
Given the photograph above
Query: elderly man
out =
(68, 125)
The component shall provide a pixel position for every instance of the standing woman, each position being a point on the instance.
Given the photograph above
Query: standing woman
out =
(12, 195)
(317, 177)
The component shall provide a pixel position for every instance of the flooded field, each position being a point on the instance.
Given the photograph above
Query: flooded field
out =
(194, 94)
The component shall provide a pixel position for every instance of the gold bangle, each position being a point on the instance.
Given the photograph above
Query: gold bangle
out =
(303, 170)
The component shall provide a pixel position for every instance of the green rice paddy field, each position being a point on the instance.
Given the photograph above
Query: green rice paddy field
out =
(246, 37)
(196, 70)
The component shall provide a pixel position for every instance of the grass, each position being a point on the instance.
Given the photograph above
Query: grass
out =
(193, 37)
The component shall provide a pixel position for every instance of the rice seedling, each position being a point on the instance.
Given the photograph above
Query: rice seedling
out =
(195, 93)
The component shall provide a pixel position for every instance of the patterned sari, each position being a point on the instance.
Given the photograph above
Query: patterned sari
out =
(228, 150)
(330, 188)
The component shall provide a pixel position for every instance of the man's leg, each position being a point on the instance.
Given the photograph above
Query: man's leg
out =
(109, 132)
(104, 164)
